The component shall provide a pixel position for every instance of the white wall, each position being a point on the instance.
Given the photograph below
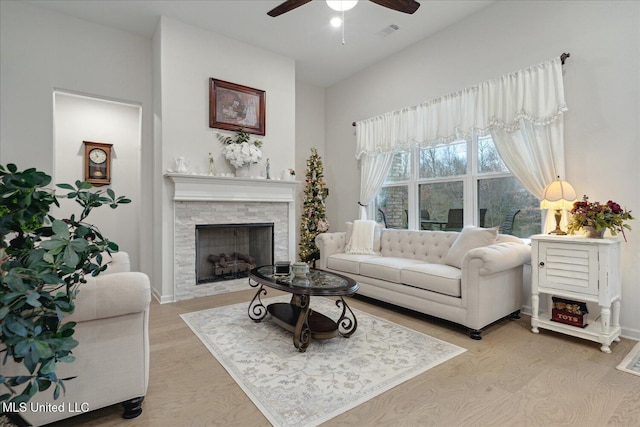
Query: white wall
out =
(78, 119)
(309, 134)
(188, 58)
(42, 51)
(601, 85)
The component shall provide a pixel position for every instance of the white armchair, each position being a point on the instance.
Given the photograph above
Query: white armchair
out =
(112, 357)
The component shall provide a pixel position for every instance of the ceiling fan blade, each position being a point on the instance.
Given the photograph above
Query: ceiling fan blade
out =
(286, 7)
(405, 6)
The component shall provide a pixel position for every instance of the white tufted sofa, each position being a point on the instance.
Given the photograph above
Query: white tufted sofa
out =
(411, 273)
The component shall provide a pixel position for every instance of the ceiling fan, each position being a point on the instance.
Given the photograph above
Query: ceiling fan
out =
(405, 6)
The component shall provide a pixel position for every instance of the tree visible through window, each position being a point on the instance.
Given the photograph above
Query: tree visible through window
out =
(446, 187)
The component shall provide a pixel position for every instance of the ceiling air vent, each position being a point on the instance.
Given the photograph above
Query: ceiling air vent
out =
(386, 31)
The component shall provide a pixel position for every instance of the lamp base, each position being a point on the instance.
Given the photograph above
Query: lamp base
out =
(558, 231)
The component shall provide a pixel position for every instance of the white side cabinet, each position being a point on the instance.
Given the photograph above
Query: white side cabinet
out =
(580, 269)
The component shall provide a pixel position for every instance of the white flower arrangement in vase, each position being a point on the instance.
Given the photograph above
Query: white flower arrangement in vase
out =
(240, 151)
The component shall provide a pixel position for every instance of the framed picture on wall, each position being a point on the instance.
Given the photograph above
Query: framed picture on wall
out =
(235, 107)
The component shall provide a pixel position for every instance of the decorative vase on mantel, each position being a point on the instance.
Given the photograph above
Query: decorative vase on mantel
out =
(592, 233)
(244, 171)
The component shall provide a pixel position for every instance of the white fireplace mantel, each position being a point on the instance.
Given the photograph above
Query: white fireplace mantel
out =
(218, 188)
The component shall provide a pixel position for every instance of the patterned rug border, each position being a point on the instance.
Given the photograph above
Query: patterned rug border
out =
(631, 362)
(230, 367)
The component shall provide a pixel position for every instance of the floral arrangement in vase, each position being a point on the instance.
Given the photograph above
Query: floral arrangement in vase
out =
(240, 150)
(595, 218)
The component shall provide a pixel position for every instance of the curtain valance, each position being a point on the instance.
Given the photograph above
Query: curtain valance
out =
(533, 95)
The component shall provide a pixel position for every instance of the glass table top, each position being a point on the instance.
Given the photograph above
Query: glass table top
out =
(314, 282)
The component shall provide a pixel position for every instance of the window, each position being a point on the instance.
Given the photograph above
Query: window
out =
(447, 187)
(392, 200)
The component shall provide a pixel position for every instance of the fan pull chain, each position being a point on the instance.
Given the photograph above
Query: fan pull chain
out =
(343, 23)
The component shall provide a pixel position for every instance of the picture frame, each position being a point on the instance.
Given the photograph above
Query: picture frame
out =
(234, 107)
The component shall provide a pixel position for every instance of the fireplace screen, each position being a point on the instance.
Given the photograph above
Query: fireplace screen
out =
(230, 251)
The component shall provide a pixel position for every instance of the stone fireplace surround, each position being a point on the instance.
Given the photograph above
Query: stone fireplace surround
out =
(199, 199)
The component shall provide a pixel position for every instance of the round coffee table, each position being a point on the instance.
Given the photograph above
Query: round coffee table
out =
(297, 316)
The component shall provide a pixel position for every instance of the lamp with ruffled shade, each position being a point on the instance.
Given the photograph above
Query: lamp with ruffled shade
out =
(557, 196)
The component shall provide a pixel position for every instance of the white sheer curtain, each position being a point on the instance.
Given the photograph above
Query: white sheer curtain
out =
(523, 111)
(535, 156)
(373, 171)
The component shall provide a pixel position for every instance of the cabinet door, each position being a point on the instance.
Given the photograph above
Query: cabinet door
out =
(568, 267)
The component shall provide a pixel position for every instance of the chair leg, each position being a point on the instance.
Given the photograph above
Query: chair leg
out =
(132, 408)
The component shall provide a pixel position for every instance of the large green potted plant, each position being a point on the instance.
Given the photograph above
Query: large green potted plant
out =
(43, 262)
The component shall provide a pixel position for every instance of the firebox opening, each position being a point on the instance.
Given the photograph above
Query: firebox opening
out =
(230, 251)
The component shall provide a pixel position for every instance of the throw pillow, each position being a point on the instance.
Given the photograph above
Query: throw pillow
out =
(361, 240)
(471, 237)
(376, 236)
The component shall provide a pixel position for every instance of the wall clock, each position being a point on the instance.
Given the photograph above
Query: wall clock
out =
(97, 163)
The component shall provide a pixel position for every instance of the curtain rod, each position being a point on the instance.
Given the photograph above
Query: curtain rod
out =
(563, 58)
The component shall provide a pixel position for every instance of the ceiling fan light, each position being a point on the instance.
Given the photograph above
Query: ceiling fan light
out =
(336, 21)
(341, 5)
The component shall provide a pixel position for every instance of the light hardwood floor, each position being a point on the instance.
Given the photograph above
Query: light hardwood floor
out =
(509, 378)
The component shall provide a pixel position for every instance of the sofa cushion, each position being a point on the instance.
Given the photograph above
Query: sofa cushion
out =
(471, 237)
(385, 268)
(440, 278)
(347, 263)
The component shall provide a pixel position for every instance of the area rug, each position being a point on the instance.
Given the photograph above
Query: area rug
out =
(331, 377)
(631, 362)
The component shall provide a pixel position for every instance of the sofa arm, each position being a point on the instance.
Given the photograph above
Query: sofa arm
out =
(329, 244)
(497, 257)
(110, 295)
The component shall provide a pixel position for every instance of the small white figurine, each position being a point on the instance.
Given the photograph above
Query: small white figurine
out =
(212, 165)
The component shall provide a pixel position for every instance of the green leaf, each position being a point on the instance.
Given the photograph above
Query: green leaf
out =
(66, 186)
(53, 244)
(43, 383)
(49, 366)
(22, 348)
(48, 257)
(32, 299)
(70, 257)
(32, 389)
(16, 328)
(79, 245)
(21, 379)
(60, 228)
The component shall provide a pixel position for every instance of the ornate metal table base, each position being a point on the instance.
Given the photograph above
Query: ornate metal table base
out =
(305, 323)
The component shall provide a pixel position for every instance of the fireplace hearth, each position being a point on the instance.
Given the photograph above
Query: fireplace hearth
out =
(230, 251)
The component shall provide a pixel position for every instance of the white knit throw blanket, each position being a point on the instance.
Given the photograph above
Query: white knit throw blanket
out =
(362, 238)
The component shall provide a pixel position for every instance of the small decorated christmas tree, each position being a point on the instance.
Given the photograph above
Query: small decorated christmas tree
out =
(314, 220)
